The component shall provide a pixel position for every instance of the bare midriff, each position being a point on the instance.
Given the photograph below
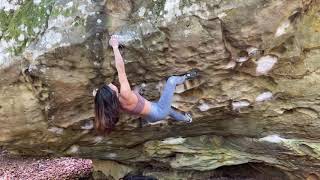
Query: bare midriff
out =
(129, 107)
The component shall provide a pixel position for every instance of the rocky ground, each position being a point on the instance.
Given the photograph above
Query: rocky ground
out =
(256, 99)
(26, 168)
(39, 168)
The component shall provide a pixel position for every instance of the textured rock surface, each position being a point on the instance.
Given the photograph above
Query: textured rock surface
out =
(256, 101)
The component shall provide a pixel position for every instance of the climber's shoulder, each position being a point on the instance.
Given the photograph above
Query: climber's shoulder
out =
(127, 97)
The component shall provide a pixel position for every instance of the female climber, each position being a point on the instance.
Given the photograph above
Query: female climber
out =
(109, 101)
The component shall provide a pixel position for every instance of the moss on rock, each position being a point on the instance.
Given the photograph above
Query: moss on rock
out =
(4, 21)
(26, 23)
(65, 11)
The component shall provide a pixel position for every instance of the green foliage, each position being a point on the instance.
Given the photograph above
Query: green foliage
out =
(30, 16)
(4, 21)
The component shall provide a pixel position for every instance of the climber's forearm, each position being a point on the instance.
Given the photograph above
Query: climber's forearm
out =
(124, 83)
(118, 59)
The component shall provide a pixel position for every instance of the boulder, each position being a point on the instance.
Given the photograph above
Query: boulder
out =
(255, 103)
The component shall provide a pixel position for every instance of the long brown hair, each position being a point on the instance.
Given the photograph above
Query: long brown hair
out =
(107, 108)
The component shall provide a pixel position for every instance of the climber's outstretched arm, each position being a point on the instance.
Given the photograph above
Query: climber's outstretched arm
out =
(125, 90)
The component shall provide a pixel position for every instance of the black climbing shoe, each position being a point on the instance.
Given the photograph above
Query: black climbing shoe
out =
(192, 74)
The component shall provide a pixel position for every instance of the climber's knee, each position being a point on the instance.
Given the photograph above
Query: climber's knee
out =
(172, 80)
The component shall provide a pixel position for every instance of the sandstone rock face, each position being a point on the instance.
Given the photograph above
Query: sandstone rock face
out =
(256, 101)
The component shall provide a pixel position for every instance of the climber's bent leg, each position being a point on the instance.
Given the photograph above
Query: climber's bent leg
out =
(168, 91)
(161, 109)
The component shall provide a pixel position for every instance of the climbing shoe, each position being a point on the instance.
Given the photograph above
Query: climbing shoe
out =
(188, 117)
(192, 74)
